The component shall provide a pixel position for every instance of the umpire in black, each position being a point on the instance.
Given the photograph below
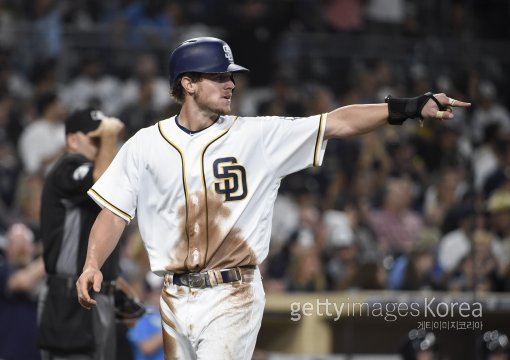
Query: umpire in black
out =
(65, 329)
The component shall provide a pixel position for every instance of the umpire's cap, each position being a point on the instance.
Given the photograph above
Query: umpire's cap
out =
(85, 120)
(203, 55)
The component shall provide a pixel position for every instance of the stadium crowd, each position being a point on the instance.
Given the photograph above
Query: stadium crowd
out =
(422, 206)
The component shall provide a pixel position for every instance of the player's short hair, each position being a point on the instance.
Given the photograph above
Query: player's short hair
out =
(177, 90)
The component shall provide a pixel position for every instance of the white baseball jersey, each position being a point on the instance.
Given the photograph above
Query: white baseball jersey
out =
(205, 201)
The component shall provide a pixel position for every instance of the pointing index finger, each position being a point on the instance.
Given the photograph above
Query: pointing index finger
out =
(457, 103)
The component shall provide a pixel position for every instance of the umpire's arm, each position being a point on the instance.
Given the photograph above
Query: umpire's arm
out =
(104, 236)
(354, 120)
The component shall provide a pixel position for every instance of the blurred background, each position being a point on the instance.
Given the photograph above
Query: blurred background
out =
(398, 215)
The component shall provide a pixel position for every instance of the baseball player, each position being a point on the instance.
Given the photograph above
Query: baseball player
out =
(203, 184)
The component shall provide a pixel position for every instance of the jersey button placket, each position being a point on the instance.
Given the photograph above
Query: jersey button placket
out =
(194, 232)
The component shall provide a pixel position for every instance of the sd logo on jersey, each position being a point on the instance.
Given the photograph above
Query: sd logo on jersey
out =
(232, 178)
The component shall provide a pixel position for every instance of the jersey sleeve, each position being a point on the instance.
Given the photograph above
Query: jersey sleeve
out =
(293, 144)
(73, 177)
(117, 188)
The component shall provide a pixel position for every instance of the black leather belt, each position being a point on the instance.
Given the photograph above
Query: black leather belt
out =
(203, 279)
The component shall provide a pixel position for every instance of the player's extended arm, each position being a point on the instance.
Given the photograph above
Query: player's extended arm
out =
(103, 238)
(360, 119)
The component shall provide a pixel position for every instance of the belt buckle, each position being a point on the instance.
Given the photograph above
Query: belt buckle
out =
(239, 276)
(196, 280)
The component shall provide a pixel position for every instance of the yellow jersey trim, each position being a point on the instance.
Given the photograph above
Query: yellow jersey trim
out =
(318, 143)
(98, 198)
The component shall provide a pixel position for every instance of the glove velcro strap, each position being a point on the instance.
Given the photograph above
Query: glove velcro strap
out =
(401, 109)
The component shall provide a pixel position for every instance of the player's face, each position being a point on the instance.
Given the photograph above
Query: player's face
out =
(214, 93)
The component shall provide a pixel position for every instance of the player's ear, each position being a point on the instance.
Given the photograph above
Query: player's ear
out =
(188, 84)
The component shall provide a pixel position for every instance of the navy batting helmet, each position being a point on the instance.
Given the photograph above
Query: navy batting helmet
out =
(203, 55)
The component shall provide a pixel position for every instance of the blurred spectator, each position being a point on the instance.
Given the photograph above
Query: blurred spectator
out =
(9, 172)
(419, 77)
(47, 132)
(385, 15)
(455, 243)
(285, 220)
(372, 275)
(477, 270)
(10, 121)
(406, 163)
(7, 20)
(93, 88)
(145, 336)
(145, 96)
(374, 158)
(146, 23)
(12, 83)
(283, 101)
(141, 113)
(485, 160)
(342, 262)
(500, 176)
(489, 111)
(319, 100)
(27, 203)
(346, 177)
(247, 99)
(498, 206)
(414, 271)
(309, 16)
(395, 224)
(44, 78)
(305, 271)
(442, 195)
(342, 15)
(147, 69)
(351, 252)
(443, 148)
(19, 276)
(253, 28)
(365, 236)
(47, 31)
(10, 166)
(306, 232)
(339, 230)
(133, 260)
